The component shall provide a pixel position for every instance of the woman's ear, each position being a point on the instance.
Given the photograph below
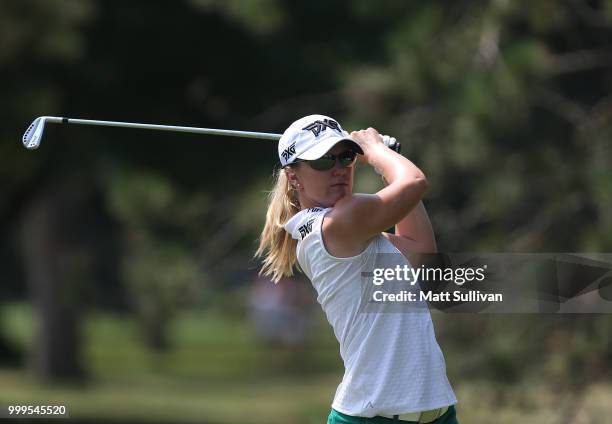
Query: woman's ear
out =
(292, 177)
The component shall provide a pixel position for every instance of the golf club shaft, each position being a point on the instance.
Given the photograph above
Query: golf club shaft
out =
(32, 137)
(193, 130)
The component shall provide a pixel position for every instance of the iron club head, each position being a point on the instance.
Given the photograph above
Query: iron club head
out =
(31, 138)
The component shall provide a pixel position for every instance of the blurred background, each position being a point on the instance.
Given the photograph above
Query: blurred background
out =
(128, 291)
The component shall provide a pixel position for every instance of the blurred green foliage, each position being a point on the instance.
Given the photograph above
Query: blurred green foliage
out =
(504, 104)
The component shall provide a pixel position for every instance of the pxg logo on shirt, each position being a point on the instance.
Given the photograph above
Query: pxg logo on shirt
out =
(317, 127)
(306, 228)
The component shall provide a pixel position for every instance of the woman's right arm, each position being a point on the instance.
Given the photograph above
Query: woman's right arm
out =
(358, 217)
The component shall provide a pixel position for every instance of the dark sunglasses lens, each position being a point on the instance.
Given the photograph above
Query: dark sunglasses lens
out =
(347, 158)
(322, 164)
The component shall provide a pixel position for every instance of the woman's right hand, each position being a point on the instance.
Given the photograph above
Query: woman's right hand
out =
(369, 140)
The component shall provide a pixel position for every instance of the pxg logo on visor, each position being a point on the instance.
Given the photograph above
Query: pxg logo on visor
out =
(321, 125)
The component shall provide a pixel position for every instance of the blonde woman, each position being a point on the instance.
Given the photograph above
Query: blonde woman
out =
(394, 368)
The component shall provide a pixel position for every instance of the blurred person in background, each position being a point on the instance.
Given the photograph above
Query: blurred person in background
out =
(394, 369)
(280, 314)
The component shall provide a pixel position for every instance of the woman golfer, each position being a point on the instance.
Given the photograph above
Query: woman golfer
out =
(394, 368)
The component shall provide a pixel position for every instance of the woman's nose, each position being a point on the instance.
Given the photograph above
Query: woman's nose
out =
(338, 169)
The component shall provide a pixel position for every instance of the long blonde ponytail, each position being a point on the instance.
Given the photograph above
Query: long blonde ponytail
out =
(276, 246)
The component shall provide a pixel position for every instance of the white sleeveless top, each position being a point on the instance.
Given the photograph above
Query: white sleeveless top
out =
(393, 364)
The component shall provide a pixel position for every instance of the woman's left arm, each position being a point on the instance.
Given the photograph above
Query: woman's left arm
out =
(417, 232)
(414, 233)
(414, 236)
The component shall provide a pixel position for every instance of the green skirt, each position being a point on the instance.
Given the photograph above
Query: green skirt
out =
(335, 417)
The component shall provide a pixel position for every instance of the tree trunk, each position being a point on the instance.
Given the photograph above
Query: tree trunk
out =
(56, 263)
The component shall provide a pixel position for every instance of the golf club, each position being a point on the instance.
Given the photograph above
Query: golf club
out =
(32, 137)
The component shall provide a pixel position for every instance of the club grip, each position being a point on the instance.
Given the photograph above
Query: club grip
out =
(392, 143)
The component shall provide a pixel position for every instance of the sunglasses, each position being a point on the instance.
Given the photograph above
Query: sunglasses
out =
(328, 161)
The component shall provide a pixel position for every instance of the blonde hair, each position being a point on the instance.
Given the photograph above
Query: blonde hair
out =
(276, 245)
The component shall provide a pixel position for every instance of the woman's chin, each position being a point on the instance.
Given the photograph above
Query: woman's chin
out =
(337, 196)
